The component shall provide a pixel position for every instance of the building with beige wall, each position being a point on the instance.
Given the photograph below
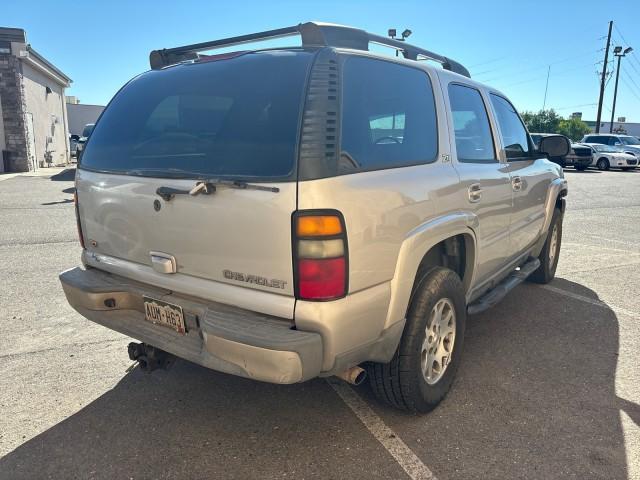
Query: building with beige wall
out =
(33, 113)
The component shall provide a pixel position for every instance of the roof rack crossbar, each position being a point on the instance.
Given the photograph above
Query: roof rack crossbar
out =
(314, 34)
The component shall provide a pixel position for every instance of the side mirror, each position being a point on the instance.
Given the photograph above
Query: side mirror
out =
(617, 144)
(75, 138)
(555, 146)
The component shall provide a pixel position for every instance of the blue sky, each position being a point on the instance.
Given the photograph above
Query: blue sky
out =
(508, 44)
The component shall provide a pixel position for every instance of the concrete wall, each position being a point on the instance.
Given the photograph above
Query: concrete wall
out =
(49, 114)
(3, 145)
(79, 115)
(11, 100)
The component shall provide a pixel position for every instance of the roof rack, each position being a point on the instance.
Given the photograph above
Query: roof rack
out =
(314, 34)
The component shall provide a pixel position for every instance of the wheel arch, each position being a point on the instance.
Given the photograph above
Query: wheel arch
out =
(452, 234)
(558, 189)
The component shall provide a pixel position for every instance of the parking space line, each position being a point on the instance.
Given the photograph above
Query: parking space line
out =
(600, 247)
(597, 303)
(399, 450)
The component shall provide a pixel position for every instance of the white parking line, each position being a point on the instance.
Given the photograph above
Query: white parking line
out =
(399, 450)
(591, 301)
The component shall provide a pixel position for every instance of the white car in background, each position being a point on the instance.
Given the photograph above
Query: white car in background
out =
(607, 156)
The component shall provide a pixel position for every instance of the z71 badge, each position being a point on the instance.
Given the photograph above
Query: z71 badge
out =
(247, 278)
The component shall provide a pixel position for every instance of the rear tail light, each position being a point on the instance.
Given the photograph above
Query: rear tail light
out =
(80, 236)
(320, 255)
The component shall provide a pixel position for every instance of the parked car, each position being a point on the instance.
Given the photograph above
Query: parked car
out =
(606, 157)
(86, 133)
(579, 157)
(626, 143)
(290, 213)
(73, 144)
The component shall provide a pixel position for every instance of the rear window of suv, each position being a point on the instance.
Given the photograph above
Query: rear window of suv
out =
(234, 117)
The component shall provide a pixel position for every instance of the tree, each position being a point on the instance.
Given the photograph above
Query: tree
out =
(545, 121)
(574, 128)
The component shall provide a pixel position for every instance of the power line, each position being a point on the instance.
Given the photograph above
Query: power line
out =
(634, 88)
(574, 57)
(576, 106)
(556, 74)
(535, 67)
(633, 53)
(488, 61)
(632, 80)
(631, 89)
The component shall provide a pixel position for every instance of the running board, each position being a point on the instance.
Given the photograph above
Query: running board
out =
(500, 291)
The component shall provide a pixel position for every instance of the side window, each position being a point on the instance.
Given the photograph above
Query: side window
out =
(388, 116)
(474, 142)
(614, 140)
(514, 135)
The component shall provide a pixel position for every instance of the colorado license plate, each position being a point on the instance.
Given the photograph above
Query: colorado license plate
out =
(165, 314)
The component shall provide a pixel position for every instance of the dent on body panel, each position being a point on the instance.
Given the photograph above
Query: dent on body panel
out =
(110, 225)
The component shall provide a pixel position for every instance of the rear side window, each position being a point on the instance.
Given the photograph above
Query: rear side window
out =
(474, 142)
(514, 135)
(388, 116)
(237, 117)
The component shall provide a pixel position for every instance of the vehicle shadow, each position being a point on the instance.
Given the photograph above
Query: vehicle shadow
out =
(191, 422)
(535, 394)
(534, 398)
(66, 200)
(67, 175)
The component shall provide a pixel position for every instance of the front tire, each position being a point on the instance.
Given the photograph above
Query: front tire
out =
(550, 251)
(603, 164)
(581, 168)
(422, 370)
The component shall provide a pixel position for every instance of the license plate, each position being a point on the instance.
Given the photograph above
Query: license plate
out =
(165, 314)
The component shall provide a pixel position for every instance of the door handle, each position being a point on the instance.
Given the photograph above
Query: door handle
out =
(516, 184)
(475, 192)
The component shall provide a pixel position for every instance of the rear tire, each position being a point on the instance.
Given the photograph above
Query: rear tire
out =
(603, 164)
(550, 251)
(423, 368)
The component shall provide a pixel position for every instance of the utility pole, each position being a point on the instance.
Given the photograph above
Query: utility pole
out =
(544, 103)
(603, 79)
(618, 53)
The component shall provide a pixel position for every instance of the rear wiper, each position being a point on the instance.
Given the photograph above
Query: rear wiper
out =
(207, 187)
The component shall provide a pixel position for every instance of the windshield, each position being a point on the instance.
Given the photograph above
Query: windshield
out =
(87, 130)
(236, 117)
(630, 141)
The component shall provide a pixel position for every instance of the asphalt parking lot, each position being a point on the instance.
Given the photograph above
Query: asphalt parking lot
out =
(549, 386)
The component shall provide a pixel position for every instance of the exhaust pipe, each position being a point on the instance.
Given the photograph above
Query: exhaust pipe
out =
(150, 358)
(353, 375)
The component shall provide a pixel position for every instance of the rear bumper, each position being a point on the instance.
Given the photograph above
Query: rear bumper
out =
(220, 337)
